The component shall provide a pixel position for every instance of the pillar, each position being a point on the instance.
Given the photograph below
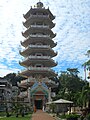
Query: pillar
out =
(49, 98)
(29, 98)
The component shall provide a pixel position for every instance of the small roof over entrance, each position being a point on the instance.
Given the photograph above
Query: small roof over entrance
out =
(37, 87)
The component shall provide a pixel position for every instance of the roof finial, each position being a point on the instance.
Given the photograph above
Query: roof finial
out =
(40, 4)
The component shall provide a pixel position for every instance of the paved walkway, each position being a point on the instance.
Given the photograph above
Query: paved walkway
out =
(40, 115)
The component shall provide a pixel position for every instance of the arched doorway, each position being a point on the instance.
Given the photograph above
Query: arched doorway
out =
(39, 99)
(39, 95)
(38, 104)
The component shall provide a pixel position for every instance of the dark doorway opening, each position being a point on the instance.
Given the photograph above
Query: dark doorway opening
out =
(38, 104)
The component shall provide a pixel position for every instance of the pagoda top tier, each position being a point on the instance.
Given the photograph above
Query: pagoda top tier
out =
(39, 7)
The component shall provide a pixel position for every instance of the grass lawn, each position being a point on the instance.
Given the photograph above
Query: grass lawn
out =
(17, 118)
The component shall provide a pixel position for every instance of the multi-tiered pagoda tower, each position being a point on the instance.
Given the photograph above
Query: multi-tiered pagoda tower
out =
(38, 54)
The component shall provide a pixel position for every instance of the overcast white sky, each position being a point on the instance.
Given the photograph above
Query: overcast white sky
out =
(72, 28)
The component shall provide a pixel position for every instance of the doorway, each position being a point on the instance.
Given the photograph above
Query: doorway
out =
(38, 104)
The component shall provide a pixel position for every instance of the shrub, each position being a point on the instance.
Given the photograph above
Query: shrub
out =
(72, 117)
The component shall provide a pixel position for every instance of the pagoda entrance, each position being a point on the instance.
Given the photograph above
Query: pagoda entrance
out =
(38, 104)
(39, 94)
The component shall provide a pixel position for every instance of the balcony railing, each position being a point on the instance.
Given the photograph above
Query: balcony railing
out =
(39, 35)
(43, 16)
(32, 79)
(36, 46)
(40, 68)
(40, 26)
(38, 57)
(39, 46)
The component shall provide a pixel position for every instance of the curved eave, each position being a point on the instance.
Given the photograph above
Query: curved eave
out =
(51, 15)
(33, 19)
(47, 51)
(45, 73)
(27, 14)
(37, 30)
(34, 10)
(47, 63)
(30, 83)
(26, 84)
(44, 40)
(23, 85)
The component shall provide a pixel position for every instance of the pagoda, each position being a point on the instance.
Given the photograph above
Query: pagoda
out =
(38, 53)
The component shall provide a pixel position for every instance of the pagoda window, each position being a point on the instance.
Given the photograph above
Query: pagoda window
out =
(38, 65)
(34, 34)
(44, 24)
(44, 14)
(34, 13)
(38, 54)
(39, 23)
(39, 13)
(38, 43)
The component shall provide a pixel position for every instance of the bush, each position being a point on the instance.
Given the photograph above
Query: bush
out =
(72, 117)
(62, 116)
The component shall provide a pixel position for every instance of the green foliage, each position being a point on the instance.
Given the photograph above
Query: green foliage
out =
(87, 63)
(13, 78)
(72, 116)
(69, 116)
(52, 107)
(27, 117)
(62, 116)
(71, 87)
(2, 113)
(73, 71)
(88, 116)
(85, 95)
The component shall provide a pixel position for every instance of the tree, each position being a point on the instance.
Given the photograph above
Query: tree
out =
(85, 96)
(73, 71)
(70, 86)
(13, 78)
(87, 63)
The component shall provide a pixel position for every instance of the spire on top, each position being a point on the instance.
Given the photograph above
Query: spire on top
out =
(39, 4)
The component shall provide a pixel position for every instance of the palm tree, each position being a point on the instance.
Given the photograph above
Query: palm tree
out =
(85, 96)
(88, 53)
(78, 99)
(73, 71)
(87, 66)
